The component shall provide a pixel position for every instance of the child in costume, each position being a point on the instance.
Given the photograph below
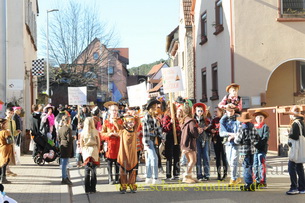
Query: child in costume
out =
(259, 162)
(127, 156)
(232, 100)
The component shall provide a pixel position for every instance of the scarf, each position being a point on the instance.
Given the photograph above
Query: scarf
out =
(258, 126)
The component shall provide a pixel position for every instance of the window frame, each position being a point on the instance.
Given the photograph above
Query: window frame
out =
(218, 17)
(214, 72)
(286, 17)
(204, 28)
(299, 90)
(204, 85)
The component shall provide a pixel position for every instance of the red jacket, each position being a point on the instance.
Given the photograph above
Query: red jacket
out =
(112, 141)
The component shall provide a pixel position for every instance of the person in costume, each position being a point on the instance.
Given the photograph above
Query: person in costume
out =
(202, 142)
(90, 147)
(127, 156)
(218, 145)
(172, 150)
(228, 129)
(11, 126)
(247, 137)
(111, 127)
(259, 162)
(47, 126)
(188, 145)
(151, 130)
(6, 150)
(232, 100)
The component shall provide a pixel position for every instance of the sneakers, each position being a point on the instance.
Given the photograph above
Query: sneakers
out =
(148, 180)
(302, 191)
(250, 187)
(138, 179)
(123, 191)
(261, 185)
(156, 182)
(292, 192)
(232, 183)
(239, 180)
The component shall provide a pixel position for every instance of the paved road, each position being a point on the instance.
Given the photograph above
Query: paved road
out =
(42, 184)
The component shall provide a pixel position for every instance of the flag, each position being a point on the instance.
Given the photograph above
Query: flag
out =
(38, 67)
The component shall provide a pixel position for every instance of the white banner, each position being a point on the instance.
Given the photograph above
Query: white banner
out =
(137, 95)
(172, 79)
(77, 95)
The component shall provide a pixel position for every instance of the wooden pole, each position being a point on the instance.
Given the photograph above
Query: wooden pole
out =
(173, 116)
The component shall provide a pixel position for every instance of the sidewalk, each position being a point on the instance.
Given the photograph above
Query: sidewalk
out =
(43, 183)
(36, 183)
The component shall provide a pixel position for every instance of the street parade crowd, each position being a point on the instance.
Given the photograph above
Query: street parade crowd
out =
(180, 131)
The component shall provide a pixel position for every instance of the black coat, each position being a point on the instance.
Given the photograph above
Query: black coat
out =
(66, 142)
(35, 124)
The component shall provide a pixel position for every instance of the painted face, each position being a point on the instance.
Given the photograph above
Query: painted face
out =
(259, 119)
(129, 124)
(114, 111)
(199, 111)
(233, 91)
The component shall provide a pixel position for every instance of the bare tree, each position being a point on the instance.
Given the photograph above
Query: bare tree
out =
(72, 30)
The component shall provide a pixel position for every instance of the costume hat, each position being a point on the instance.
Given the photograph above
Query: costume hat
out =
(110, 103)
(202, 105)
(151, 102)
(296, 111)
(232, 85)
(245, 117)
(45, 109)
(180, 100)
(260, 112)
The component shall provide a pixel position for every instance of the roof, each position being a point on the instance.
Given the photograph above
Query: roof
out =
(157, 87)
(123, 54)
(155, 69)
(187, 4)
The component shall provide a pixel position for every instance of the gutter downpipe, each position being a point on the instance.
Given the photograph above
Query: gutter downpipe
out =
(232, 43)
(6, 52)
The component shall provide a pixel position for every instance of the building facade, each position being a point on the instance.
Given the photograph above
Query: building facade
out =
(257, 44)
(18, 47)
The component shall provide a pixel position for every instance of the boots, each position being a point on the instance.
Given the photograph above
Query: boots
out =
(66, 181)
(4, 180)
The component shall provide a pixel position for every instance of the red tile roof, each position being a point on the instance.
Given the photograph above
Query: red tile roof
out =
(155, 69)
(157, 87)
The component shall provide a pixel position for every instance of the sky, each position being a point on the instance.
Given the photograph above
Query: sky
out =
(141, 26)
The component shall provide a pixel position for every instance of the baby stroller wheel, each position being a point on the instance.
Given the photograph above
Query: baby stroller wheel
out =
(40, 161)
(35, 158)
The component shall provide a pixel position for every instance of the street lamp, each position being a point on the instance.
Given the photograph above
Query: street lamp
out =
(108, 77)
(48, 77)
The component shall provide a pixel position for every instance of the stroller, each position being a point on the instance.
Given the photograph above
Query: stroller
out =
(45, 152)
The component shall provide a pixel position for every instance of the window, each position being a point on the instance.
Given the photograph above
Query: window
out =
(95, 55)
(218, 17)
(204, 27)
(110, 86)
(300, 78)
(292, 8)
(110, 70)
(214, 82)
(204, 85)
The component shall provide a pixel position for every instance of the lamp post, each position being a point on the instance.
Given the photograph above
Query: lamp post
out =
(108, 78)
(48, 77)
